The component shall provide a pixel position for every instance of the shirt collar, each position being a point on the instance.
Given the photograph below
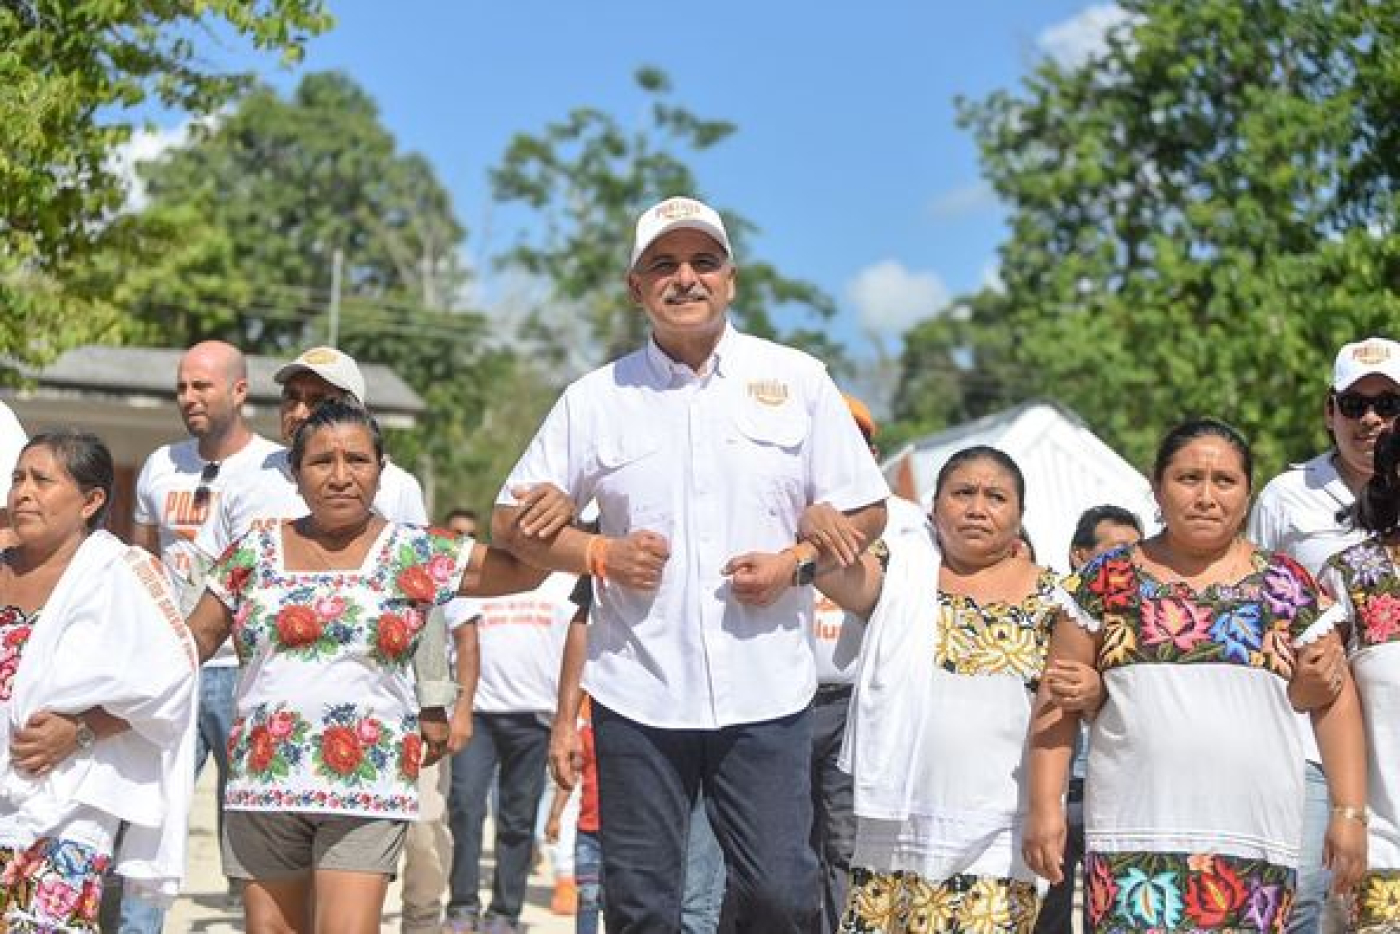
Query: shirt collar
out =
(668, 371)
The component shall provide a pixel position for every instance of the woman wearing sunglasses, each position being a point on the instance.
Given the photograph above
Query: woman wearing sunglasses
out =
(1305, 512)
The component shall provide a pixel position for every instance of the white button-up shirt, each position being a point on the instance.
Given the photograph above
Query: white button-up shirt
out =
(720, 463)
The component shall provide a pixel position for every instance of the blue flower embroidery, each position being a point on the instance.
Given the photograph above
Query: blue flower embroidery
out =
(1155, 901)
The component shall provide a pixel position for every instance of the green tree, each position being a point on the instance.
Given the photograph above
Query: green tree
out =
(239, 240)
(1200, 216)
(586, 178)
(72, 73)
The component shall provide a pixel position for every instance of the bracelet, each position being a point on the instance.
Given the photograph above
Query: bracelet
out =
(1347, 812)
(596, 557)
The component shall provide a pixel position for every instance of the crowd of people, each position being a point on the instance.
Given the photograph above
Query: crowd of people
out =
(771, 696)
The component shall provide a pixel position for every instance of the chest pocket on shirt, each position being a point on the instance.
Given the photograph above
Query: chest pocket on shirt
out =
(768, 446)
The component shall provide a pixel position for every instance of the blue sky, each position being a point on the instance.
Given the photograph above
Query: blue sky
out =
(847, 156)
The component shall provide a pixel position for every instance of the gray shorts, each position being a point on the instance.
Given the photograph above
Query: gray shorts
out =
(277, 844)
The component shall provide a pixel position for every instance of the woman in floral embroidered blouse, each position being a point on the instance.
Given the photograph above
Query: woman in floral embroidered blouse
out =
(956, 648)
(1194, 794)
(326, 612)
(1365, 579)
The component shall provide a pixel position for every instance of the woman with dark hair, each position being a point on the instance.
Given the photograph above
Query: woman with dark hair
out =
(326, 612)
(97, 678)
(1365, 580)
(1194, 803)
(935, 742)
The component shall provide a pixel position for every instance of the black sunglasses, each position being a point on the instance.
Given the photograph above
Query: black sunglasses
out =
(1355, 404)
(206, 476)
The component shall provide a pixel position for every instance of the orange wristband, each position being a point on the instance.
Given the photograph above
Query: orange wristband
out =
(596, 557)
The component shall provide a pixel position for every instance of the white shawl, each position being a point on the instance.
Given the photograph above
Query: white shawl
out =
(882, 746)
(111, 636)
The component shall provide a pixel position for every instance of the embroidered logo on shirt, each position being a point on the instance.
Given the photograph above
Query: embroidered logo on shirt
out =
(769, 391)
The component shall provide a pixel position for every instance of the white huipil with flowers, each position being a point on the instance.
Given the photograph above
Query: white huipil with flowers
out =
(326, 719)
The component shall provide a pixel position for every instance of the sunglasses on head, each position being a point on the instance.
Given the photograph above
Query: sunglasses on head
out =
(206, 476)
(1355, 404)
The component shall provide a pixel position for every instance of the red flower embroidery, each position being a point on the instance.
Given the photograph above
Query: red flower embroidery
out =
(298, 626)
(237, 579)
(393, 635)
(1114, 583)
(1214, 897)
(1103, 889)
(410, 755)
(1176, 620)
(416, 583)
(260, 749)
(341, 749)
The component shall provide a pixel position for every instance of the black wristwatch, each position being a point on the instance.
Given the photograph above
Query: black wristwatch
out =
(806, 570)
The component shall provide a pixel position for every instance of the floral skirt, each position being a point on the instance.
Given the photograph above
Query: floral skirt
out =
(1185, 892)
(906, 903)
(53, 885)
(1376, 906)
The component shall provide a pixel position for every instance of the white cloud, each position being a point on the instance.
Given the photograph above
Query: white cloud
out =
(144, 146)
(890, 298)
(960, 202)
(1083, 36)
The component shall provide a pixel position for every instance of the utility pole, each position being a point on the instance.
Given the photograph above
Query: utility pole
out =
(333, 328)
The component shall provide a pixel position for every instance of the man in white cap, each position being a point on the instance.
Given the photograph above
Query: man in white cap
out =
(701, 449)
(1305, 512)
(318, 375)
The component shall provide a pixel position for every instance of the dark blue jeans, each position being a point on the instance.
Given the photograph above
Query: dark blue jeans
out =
(519, 744)
(588, 871)
(756, 782)
(833, 805)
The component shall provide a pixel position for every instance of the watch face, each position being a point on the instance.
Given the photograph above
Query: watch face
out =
(806, 573)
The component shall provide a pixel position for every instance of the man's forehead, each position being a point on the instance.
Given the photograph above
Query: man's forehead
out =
(684, 241)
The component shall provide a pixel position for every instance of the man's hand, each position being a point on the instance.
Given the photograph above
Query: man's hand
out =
(432, 726)
(565, 753)
(544, 510)
(832, 532)
(44, 741)
(1318, 674)
(459, 726)
(636, 561)
(759, 578)
(1074, 686)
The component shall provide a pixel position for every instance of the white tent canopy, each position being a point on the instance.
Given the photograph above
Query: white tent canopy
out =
(1067, 469)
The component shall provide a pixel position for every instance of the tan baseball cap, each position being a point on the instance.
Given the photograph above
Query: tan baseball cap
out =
(336, 368)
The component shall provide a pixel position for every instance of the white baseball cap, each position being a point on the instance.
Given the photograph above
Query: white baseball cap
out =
(1373, 355)
(331, 365)
(674, 214)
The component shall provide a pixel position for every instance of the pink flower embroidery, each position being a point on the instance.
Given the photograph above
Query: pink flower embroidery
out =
(368, 731)
(328, 608)
(1380, 615)
(1176, 620)
(441, 568)
(281, 724)
(56, 899)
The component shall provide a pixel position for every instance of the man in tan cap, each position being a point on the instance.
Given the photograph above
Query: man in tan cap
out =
(701, 449)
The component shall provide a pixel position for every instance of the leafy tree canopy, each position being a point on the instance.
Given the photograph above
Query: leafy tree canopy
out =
(587, 177)
(1198, 219)
(72, 73)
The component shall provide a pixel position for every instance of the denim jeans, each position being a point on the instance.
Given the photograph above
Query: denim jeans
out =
(756, 783)
(519, 744)
(588, 873)
(1313, 878)
(833, 809)
(215, 721)
(702, 900)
